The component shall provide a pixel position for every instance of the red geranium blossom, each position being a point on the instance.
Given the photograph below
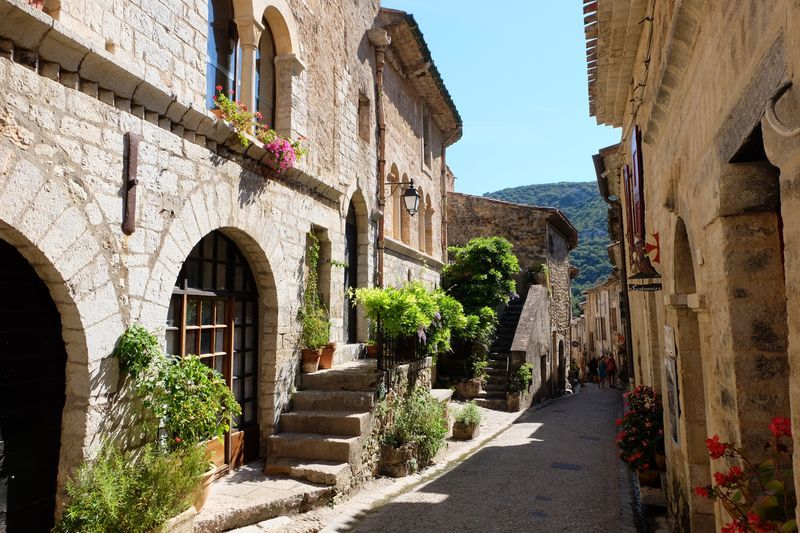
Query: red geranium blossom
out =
(716, 449)
(781, 427)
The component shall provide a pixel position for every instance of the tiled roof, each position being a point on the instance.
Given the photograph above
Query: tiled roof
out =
(612, 29)
(410, 48)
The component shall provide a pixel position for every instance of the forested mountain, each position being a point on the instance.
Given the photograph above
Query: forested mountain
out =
(587, 211)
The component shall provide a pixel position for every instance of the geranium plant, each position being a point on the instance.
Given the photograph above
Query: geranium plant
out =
(286, 151)
(642, 428)
(759, 497)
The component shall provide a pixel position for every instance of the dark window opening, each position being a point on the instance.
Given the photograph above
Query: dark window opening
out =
(224, 54)
(266, 81)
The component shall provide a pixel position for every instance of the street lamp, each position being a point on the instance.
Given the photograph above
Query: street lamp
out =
(410, 197)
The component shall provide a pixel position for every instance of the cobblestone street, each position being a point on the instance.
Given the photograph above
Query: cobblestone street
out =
(554, 469)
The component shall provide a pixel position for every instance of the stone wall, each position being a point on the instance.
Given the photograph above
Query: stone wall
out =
(533, 342)
(726, 250)
(535, 242)
(64, 117)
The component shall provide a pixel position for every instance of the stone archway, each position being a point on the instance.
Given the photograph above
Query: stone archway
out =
(33, 361)
(356, 273)
(685, 410)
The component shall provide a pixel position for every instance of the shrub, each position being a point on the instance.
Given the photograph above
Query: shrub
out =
(477, 367)
(470, 415)
(192, 400)
(136, 348)
(131, 492)
(521, 379)
(417, 419)
(481, 273)
(316, 325)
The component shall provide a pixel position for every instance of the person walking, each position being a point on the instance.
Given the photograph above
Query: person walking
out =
(593, 370)
(601, 371)
(611, 369)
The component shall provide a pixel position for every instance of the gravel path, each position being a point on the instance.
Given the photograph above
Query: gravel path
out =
(555, 469)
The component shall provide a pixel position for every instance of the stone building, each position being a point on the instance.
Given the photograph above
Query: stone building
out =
(540, 331)
(704, 183)
(123, 200)
(604, 331)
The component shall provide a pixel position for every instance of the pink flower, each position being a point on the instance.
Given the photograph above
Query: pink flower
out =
(219, 87)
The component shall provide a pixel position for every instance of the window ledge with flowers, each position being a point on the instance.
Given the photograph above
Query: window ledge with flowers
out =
(282, 153)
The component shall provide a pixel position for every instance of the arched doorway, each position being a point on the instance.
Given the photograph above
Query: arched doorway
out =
(32, 365)
(214, 314)
(351, 274)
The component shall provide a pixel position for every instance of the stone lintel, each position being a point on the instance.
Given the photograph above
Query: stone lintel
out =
(748, 187)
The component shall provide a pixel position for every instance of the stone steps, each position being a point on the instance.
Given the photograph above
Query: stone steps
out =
(350, 378)
(331, 473)
(326, 422)
(337, 448)
(327, 400)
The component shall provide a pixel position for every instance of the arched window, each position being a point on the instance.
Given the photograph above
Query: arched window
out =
(224, 54)
(428, 225)
(265, 75)
(214, 314)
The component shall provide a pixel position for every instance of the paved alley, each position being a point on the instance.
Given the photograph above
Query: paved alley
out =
(555, 469)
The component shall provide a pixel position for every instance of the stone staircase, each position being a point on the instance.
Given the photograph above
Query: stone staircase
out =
(494, 390)
(321, 438)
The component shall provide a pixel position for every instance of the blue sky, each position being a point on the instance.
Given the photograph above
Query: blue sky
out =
(516, 70)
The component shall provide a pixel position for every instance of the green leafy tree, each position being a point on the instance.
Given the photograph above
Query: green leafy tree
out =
(481, 273)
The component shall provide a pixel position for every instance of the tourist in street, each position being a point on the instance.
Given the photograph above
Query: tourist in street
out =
(593, 370)
(602, 369)
(611, 369)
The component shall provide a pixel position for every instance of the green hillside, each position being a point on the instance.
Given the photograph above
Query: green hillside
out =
(587, 211)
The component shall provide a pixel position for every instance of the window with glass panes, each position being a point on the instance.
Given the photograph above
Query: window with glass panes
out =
(214, 314)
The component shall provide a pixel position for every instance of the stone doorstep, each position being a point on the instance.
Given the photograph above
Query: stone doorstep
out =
(355, 376)
(323, 472)
(224, 512)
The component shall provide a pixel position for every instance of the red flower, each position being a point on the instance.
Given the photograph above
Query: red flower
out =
(701, 491)
(178, 440)
(618, 422)
(259, 115)
(781, 427)
(720, 478)
(716, 449)
(219, 87)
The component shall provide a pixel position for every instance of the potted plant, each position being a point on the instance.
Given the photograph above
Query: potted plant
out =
(372, 349)
(326, 358)
(468, 421)
(316, 326)
(414, 430)
(472, 386)
(642, 433)
(516, 383)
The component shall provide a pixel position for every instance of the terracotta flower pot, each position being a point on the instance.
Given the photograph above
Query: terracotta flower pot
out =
(469, 389)
(326, 359)
(649, 478)
(204, 487)
(217, 112)
(372, 351)
(465, 431)
(512, 400)
(310, 360)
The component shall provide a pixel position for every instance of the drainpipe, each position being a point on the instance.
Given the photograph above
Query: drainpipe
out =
(380, 39)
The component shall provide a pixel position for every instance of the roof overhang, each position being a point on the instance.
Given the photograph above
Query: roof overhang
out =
(612, 29)
(414, 57)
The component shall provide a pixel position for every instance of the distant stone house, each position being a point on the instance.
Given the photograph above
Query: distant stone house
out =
(604, 330)
(214, 239)
(540, 236)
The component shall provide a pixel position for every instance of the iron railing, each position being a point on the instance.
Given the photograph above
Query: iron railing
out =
(397, 351)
